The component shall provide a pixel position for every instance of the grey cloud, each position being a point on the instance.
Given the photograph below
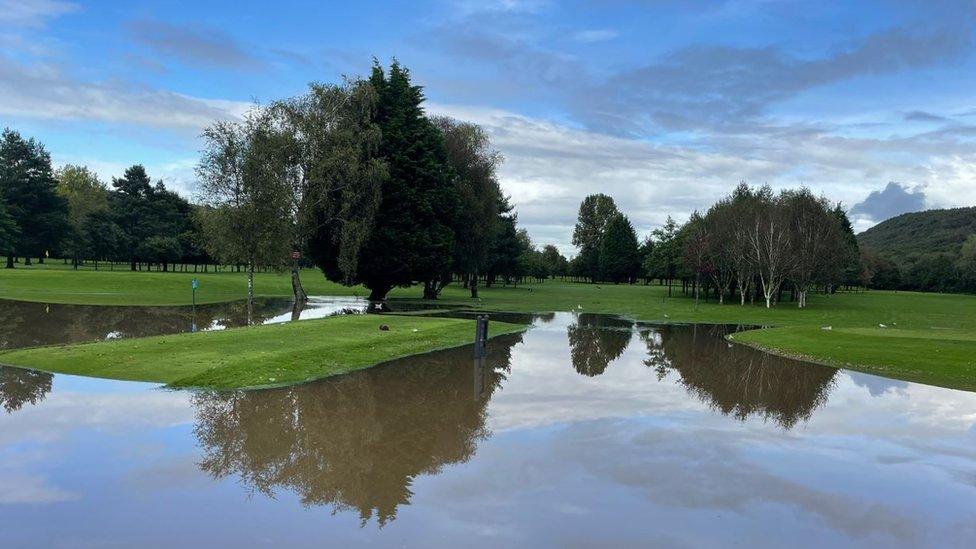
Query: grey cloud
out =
(894, 200)
(715, 86)
(922, 116)
(195, 45)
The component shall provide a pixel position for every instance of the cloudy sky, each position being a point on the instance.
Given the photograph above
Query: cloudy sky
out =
(663, 104)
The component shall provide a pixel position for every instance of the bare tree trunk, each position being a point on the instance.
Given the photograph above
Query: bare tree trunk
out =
(10, 261)
(296, 286)
(473, 284)
(250, 292)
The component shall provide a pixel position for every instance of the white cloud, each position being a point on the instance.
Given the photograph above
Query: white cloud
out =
(595, 35)
(33, 13)
(43, 91)
(549, 168)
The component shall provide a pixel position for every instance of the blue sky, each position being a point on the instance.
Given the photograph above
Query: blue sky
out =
(663, 104)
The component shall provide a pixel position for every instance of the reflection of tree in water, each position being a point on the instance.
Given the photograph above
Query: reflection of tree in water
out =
(597, 340)
(19, 387)
(25, 324)
(737, 380)
(354, 442)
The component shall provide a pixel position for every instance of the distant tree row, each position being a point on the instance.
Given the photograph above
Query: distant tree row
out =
(752, 244)
(71, 213)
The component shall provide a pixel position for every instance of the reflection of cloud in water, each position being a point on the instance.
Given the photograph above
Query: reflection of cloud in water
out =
(30, 489)
(876, 385)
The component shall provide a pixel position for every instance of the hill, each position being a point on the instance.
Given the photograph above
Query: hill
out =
(907, 237)
(921, 251)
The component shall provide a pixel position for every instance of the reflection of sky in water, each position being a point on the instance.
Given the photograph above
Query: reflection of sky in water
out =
(616, 459)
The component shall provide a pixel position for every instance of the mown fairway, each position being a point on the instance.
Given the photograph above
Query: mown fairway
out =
(925, 337)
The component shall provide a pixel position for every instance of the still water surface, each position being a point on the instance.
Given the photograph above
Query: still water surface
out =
(586, 430)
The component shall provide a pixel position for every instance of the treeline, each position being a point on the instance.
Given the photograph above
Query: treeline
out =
(71, 213)
(375, 191)
(752, 244)
(356, 177)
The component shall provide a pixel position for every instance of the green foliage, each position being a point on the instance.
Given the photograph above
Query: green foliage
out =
(142, 210)
(412, 238)
(86, 196)
(334, 148)
(28, 186)
(554, 262)
(619, 254)
(925, 248)
(9, 231)
(248, 219)
(595, 213)
(664, 257)
(472, 162)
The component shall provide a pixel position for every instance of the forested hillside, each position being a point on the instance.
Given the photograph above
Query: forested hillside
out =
(932, 250)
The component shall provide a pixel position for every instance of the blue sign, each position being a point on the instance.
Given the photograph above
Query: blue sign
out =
(195, 284)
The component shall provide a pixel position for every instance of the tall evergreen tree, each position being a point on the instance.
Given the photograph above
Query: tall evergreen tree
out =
(412, 237)
(27, 184)
(619, 251)
(9, 232)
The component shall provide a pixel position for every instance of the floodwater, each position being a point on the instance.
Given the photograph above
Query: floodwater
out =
(27, 324)
(584, 431)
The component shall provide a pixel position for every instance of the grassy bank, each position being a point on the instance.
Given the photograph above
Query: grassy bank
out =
(927, 337)
(278, 354)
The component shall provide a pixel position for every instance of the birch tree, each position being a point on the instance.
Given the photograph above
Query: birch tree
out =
(247, 196)
(816, 241)
(770, 243)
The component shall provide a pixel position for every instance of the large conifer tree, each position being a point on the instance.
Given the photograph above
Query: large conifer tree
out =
(619, 260)
(27, 184)
(412, 237)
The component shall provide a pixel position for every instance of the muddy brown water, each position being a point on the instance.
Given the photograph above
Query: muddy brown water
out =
(585, 430)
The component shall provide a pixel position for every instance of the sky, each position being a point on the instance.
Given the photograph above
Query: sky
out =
(665, 105)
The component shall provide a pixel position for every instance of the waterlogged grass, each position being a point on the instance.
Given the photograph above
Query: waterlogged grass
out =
(258, 356)
(926, 337)
(946, 359)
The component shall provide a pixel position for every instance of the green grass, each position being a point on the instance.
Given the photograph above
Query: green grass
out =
(53, 283)
(258, 356)
(930, 337)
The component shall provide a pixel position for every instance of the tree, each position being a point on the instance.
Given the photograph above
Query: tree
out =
(696, 249)
(595, 213)
(619, 251)
(505, 247)
(27, 184)
(243, 183)
(769, 242)
(555, 263)
(473, 163)
(336, 173)
(966, 264)
(86, 195)
(850, 252)
(817, 246)
(719, 224)
(412, 237)
(743, 204)
(104, 237)
(9, 232)
(665, 255)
